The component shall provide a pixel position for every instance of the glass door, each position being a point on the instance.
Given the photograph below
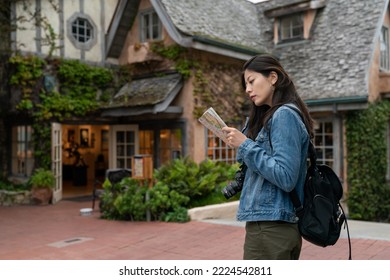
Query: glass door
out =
(56, 154)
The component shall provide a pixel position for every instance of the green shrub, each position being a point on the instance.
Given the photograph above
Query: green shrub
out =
(124, 200)
(202, 183)
(180, 185)
(9, 186)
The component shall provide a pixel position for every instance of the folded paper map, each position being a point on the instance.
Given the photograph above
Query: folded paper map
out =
(213, 122)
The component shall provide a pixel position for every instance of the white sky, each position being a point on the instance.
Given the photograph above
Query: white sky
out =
(257, 1)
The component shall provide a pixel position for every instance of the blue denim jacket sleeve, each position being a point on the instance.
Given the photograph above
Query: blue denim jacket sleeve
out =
(280, 165)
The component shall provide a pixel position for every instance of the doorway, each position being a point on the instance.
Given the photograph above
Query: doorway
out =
(85, 151)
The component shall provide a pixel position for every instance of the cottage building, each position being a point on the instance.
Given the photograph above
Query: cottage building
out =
(337, 52)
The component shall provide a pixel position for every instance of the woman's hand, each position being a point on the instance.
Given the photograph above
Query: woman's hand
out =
(234, 136)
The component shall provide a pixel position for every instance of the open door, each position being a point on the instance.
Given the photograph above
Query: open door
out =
(56, 154)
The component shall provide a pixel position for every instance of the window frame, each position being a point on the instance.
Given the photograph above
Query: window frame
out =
(291, 18)
(87, 45)
(22, 156)
(384, 57)
(143, 35)
(220, 148)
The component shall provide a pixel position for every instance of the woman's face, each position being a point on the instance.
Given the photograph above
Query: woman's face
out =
(259, 88)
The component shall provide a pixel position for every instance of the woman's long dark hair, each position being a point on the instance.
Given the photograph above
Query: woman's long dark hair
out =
(284, 93)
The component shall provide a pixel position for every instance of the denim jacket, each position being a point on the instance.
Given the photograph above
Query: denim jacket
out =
(273, 170)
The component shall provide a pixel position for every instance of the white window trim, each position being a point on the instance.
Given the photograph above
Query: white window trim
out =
(113, 143)
(142, 36)
(384, 62)
(222, 146)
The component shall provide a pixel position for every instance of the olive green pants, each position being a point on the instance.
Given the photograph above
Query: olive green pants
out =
(272, 240)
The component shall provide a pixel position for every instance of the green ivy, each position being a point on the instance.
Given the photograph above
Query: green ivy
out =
(79, 85)
(368, 192)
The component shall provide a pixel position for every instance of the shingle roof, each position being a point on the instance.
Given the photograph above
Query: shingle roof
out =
(335, 61)
(148, 95)
(229, 21)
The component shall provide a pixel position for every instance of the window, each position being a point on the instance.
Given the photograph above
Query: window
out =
(384, 49)
(125, 148)
(291, 27)
(323, 142)
(150, 26)
(82, 30)
(22, 151)
(218, 150)
(165, 143)
(146, 142)
(170, 145)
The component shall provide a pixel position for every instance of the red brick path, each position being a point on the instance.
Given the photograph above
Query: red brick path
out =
(59, 232)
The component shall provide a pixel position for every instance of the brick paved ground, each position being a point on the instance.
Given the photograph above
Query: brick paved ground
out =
(59, 232)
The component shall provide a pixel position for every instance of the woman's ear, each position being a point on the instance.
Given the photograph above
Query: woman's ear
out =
(273, 77)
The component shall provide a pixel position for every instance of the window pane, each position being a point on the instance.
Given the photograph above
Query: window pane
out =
(120, 163)
(291, 27)
(22, 151)
(150, 26)
(384, 48)
(130, 136)
(81, 30)
(120, 150)
(323, 141)
(218, 150)
(120, 137)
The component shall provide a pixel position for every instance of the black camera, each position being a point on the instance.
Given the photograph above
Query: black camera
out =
(235, 186)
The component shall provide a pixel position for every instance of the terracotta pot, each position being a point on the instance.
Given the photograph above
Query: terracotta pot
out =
(41, 196)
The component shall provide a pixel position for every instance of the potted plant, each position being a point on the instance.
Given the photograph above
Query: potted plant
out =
(42, 182)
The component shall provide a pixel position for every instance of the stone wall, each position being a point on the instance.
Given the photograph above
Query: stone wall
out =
(9, 198)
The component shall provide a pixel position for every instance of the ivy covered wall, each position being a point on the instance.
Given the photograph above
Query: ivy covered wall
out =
(367, 140)
(49, 90)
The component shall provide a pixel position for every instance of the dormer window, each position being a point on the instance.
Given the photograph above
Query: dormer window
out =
(291, 27)
(293, 22)
(150, 26)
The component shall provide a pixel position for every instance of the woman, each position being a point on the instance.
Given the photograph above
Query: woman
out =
(274, 150)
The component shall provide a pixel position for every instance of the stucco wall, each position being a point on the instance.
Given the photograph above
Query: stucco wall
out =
(31, 38)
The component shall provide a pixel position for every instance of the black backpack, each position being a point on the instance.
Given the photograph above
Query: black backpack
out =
(321, 216)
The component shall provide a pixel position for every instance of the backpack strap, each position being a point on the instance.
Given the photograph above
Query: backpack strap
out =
(293, 194)
(313, 159)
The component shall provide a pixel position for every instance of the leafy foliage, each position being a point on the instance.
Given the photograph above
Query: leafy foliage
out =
(77, 96)
(124, 200)
(368, 194)
(180, 185)
(42, 178)
(9, 186)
